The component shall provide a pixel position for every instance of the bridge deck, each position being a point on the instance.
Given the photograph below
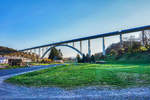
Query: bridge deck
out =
(95, 36)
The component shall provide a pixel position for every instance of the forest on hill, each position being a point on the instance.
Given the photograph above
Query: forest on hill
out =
(5, 51)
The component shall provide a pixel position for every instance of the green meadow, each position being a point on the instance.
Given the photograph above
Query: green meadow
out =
(75, 75)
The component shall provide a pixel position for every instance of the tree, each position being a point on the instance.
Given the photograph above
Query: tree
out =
(84, 58)
(78, 58)
(92, 59)
(55, 54)
(145, 38)
(87, 58)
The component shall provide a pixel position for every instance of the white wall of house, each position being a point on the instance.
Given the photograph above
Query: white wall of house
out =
(26, 60)
(3, 60)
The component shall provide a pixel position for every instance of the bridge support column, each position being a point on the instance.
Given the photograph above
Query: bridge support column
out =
(30, 51)
(73, 44)
(121, 42)
(35, 54)
(104, 52)
(25, 51)
(42, 50)
(143, 37)
(80, 46)
(39, 52)
(89, 48)
(34, 51)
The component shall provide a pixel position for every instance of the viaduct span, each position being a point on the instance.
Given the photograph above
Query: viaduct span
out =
(47, 47)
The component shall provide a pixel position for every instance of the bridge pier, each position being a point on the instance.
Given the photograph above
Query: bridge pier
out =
(121, 41)
(34, 50)
(31, 51)
(89, 48)
(42, 50)
(28, 51)
(80, 46)
(73, 44)
(39, 52)
(104, 52)
(143, 38)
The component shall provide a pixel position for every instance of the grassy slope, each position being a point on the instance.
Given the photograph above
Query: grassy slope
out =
(118, 75)
(139, 57)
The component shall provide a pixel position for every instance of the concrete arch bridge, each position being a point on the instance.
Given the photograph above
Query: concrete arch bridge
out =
(44, 49)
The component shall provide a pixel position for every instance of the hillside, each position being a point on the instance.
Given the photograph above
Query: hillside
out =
(138, 57)
(129, 53)
(6, 50)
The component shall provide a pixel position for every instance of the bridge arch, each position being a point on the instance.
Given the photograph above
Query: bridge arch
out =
(65, 46)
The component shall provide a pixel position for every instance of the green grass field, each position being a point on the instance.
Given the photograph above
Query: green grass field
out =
(73, 75)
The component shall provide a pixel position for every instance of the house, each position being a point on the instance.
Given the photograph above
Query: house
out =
(12, 60)
(26, 60)
(58, 61)
(15, 62)
(3, 60)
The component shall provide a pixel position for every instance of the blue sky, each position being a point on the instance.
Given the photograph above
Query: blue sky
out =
(28, 23)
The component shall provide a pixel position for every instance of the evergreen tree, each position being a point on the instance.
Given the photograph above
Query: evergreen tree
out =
(55, 54)
(78, 58)
(84, 58)
(87, 58)
(92, 59)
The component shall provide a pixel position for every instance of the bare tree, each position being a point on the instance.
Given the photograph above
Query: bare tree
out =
(128, 41)
(145, 38)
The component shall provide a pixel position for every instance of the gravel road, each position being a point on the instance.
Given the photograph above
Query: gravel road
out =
(14, 92)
